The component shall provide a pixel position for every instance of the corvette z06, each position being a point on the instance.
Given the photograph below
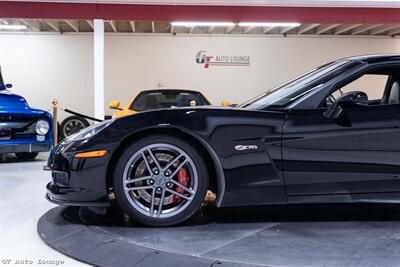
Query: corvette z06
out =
(315, 139)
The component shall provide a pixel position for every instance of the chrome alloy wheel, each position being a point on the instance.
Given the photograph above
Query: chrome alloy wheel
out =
(160, 180)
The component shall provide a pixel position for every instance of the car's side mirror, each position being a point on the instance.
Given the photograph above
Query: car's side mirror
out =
(9, 85)
(225, 103)
(228, 104)
(350, 99)
(115, 105)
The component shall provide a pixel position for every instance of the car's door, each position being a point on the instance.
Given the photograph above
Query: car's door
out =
(331, 160)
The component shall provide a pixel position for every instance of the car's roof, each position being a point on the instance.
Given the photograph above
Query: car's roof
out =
(177, 91)
(374, 58)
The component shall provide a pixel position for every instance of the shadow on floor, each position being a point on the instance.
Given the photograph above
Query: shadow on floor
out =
(11, 158)
(240, 215)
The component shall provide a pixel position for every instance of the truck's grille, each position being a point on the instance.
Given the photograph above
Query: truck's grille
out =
(10, 127)
(12, 118)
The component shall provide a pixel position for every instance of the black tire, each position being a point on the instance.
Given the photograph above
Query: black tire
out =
(26, 155)
(184, 214)
(71, 125)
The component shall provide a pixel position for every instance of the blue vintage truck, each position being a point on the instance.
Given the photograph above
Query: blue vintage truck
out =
(23, 130)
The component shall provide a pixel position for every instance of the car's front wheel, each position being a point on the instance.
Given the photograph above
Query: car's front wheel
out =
(160, 180)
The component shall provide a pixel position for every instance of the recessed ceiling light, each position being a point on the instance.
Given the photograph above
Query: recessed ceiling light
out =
(13, 27)
(208, 24)
(269, 24)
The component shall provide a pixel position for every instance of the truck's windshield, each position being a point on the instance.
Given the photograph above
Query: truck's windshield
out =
(2, 85)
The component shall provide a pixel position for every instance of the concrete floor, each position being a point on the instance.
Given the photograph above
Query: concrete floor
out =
(22, 202)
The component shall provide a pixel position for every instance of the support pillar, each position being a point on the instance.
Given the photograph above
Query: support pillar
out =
(98, 25)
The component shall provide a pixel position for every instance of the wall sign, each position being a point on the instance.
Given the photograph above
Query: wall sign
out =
(221, 60)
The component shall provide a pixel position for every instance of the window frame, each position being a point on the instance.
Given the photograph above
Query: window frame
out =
(358, 74)
(384, 88)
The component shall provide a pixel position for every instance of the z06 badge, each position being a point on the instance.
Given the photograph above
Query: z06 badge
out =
(243, 147)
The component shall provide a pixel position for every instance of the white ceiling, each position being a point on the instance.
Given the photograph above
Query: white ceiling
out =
(162, 27)
(305, 3)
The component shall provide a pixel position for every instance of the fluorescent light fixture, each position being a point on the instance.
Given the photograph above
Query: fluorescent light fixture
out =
(206, 24)
(269, 24)
(13, 27)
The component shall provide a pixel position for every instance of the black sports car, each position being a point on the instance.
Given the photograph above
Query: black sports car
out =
(311, 140)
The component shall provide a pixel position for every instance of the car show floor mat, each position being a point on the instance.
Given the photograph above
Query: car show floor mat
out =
(363, 235)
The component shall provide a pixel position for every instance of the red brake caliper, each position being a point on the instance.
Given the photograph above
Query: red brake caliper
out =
(183, 179)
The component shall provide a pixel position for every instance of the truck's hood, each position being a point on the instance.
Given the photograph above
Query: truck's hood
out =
(10, 103)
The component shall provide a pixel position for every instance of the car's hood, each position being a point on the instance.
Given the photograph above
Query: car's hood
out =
(172, 116)
(205, 107)
(209, 108)
(202, 121)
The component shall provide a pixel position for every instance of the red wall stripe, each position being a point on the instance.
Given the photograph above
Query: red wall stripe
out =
(10, 9)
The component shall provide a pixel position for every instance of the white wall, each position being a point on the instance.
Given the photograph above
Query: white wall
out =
(43, 67)
(134, 63)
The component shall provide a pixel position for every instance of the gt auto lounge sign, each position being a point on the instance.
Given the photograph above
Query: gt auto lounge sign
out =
(221, 60)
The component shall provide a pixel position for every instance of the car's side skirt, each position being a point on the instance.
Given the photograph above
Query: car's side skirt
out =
(392, 197)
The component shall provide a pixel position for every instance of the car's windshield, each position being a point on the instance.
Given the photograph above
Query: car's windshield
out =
(285, 94)
(167, 99)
